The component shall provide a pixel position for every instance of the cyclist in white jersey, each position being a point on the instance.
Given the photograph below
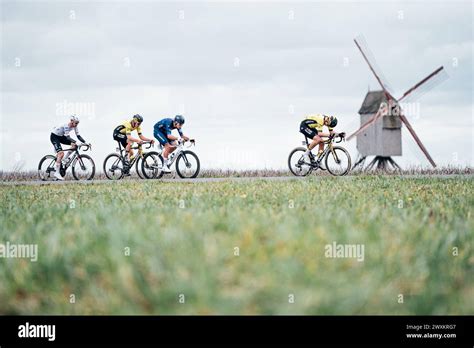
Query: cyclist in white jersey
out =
(60, 135)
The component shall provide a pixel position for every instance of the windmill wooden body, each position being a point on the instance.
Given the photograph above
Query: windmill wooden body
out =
(381, 117)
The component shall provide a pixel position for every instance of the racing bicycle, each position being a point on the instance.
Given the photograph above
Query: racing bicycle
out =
(187, 162)
(83, 166)
(336, 159)
(116, 165)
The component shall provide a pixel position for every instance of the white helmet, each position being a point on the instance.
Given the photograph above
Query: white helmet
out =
(74, 118)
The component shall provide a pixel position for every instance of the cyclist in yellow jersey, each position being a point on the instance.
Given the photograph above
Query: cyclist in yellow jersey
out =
(123, 134)
(312, 127)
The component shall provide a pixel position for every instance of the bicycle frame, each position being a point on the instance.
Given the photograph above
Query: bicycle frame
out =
(179, 149)
(75, 154)
(123, 152)
(328, 148)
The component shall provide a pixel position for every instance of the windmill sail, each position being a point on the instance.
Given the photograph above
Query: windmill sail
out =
(428, 83)
(418, 141)
(370, 122)
(370, 59)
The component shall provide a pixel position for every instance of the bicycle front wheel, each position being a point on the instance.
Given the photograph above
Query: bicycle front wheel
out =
(46, 168)
(152, 165)
(114, 167)
(83, 168)
(138, 168)
(338, 161)
(298, 164)
(187, 164)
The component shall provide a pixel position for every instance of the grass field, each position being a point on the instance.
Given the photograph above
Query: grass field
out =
(182, 239)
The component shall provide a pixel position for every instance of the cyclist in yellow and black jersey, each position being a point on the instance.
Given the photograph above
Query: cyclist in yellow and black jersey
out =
(312, 127)
(123, 134)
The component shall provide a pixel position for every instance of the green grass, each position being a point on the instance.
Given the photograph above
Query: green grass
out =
(408, 227)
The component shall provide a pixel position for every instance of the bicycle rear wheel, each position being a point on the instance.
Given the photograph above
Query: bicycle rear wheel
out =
(114, 167)
(46, 168)
(338, 161)
(152, 165)
(299, 165)
(83, 168)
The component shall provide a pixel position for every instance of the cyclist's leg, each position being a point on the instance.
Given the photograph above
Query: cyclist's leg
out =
(128, 149)
(55, 140)
(164, 141)
(319, 141)
(121, 139)
(310, 133)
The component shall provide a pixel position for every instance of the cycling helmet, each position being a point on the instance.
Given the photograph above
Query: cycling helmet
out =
(138, 118)
(333, 121)
(179, 119)
(74, 118)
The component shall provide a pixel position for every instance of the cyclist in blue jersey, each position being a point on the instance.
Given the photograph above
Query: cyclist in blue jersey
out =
(162, 132)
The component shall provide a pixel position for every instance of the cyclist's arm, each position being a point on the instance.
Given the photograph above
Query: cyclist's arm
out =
(71, 139)
(182, 135)
(144, 138)
(130, 138)
(169, 135)
(68, 137)
(172, 137)
(331, 132)
(78, 136)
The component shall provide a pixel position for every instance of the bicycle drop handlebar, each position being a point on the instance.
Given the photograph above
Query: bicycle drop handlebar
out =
(191, 142)
(341, 136)
(141, 145)
(86, 147)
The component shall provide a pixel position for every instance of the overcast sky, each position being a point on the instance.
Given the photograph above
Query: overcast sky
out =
(244, 74)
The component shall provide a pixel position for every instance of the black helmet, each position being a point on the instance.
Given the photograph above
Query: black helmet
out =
(179, 119)
(138, 118)
(333, 122)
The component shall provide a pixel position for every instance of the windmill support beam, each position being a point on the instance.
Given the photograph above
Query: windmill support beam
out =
(394, 164)
(359, 162)
(382, 163)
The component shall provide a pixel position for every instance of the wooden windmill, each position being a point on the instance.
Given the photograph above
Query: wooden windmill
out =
(381, 117)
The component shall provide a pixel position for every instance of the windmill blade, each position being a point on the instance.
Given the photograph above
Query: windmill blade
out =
(370, 59)
(425, 85)
(418, 141)
(367, 124)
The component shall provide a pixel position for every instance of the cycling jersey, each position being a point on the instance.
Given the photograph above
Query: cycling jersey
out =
(64, 130)
(126, 128)
(315, 122)
(165, 126)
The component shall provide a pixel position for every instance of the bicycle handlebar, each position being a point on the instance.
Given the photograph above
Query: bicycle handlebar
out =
(143, 143)
(86, 147)
(341, 136)
(191, 142)
(83, 145)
